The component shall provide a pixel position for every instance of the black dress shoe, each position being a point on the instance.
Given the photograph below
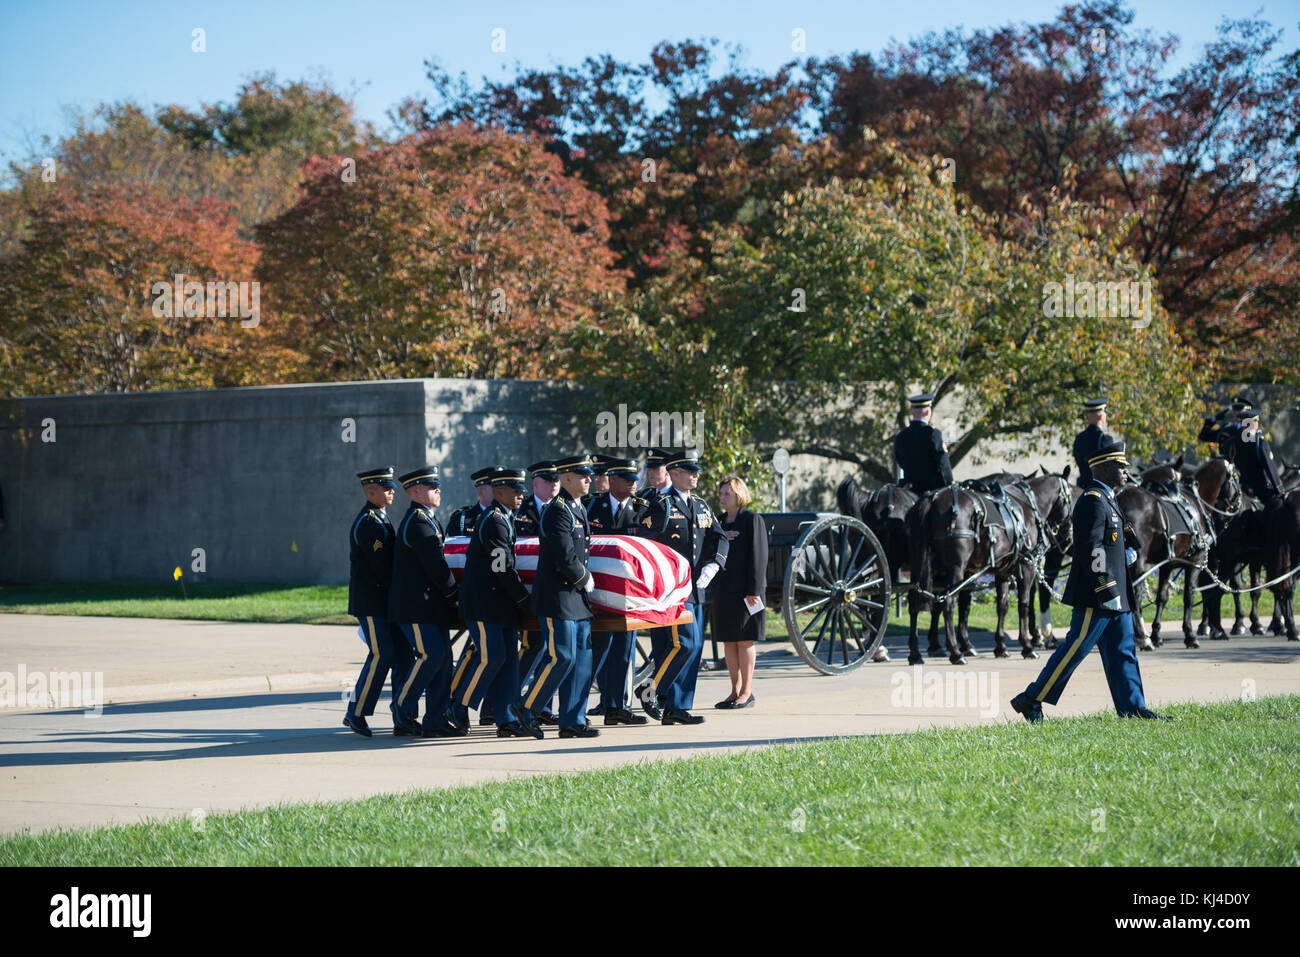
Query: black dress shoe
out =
(406, 727)
(528, 722)
(486, 718)
(748, 703)
(358, 724)
(681, 716)
(443, 731)
(546, 717)
(726, 705)
(597, 710)
(623, 716)
(645, 694)
(1150, 715)
(517, 729)
(1024, 705)
(579, 731)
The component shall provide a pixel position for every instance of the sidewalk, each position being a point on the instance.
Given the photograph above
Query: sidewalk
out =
(210, 716)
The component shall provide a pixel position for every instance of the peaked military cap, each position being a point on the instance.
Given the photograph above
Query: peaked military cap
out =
(654, 458)
(684, 459)
(484, 475)
(580, 464)
(600, 463)
(425, 475)
(1246, 415)
(622, 468)
(1094, 405)
(922, 401)
(544, 469)
(1112, 452)
(514, 478)
(382, 477)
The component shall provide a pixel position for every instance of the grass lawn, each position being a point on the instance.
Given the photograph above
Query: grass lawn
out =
(1215, 787)
(307, 604)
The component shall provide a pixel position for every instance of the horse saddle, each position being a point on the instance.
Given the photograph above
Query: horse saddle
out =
(1177, 513)
(995, 509)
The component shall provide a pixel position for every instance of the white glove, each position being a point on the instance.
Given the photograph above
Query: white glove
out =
(1130, 556)
(591, 583)
(1111, 604)
(706, 575)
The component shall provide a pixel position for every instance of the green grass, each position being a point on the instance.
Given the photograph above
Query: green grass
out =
(1215, 787)
(307, 604)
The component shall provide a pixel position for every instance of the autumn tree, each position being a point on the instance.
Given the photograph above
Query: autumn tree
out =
(458, 252)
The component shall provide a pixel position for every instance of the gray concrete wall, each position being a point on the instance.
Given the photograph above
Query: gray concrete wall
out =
(261, 479)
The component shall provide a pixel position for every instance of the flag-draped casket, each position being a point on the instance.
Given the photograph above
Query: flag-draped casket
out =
(635, 577)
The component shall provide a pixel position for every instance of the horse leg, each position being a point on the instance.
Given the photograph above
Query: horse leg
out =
(1025, 587)
(1203, 629)
(932, 650)
(950, 633)
(914, 602)
(1274, 625)
(1162, 599)
(963, 624)
(1189, 596)
(1214, 603)
(1002, 591)
(1239, 617)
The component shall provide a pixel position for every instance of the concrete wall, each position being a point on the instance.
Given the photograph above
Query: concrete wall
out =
(261, 479)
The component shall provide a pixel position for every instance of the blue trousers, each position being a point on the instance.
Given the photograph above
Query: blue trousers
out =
(388, 651)
(611, 659)
(430, 673)
(566, 668)
(1112, 632)
(493, 675)
(531, 658)
(677, 651)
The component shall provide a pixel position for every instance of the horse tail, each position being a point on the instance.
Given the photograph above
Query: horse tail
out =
(851, 499)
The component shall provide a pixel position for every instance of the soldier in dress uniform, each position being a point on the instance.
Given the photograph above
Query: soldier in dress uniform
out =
(491, 597)
(423, 603)
(919, 451)
(1101, 593)
(599, 478)
(1093, 437)
(616, 512)
(370, 546)
(560, 599)
(1251, 453)
(682, 520)
(656, 485)
(528, 524)
(1221, 429)
(462, 523)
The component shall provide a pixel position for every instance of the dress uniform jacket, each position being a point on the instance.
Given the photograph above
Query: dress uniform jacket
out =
(1098, 571)
(1227, 437)
(689, 528)
(371, 560)
(424, 589)
(1254, 460)
(1086, 444)
(919, 451)
(491, 590)
(528, 520)
(559, 590)
(605, 521)
(464, 519)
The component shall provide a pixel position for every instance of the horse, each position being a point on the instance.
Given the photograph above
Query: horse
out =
(1060, 542)
(1218, 490)
(1174, 530)
(1271, 536)
(955, 535)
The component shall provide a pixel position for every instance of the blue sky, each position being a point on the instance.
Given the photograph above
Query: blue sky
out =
(56, 53)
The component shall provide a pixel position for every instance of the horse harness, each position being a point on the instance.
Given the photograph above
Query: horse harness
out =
(1177, 517)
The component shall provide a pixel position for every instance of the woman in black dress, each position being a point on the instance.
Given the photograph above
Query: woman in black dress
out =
(740, 588)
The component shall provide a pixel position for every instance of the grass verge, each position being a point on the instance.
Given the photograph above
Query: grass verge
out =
(1215, 787)
(305, 604)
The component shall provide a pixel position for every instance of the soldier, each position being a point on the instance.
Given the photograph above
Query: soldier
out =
(1251, 453)
(1099, 590)
(423, 603)
(492, 596)
(560, 593)
(546, 482)
(371, 560)
(681, 520)
(1093, 437)
(462, 520)
(1223, 428)
(656, 485)
(615, 513)
(599, 478)
(919, 451)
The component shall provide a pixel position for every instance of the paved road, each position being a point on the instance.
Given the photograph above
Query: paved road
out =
(219, 716)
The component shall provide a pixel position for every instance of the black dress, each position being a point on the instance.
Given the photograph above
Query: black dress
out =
(745, 574)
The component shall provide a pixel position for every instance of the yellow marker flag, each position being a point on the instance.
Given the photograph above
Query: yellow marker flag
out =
(293, 547)
(176, 575)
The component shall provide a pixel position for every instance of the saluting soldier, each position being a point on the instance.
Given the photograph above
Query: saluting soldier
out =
(370, 556)
(528, 524)
(462, 523)
(1100, 591)
(1222, 429)
(560, 599)
(616, 512)
(1092, 438)
(682, 520)
(423, 603)
(491, 596)
(919, 451)
(1251, 453)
